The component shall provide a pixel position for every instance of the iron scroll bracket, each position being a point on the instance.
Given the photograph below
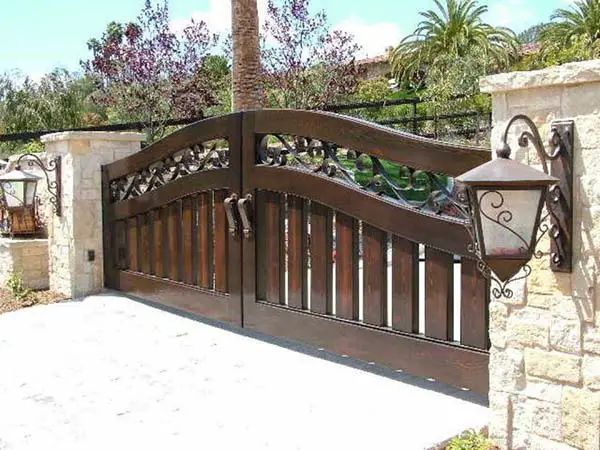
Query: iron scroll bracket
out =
(557, 162)
(53, 186)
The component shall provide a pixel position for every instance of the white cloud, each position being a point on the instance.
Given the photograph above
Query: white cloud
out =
(514, 14)
(217, 16)
(374, 38)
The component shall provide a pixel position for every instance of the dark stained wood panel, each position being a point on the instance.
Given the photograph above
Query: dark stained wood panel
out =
(346, 266)
(132, 244)
(174, 226)
(187, 226)
(268, 239)
(297, 252)
(159, 233)
(374, 275)
(474, 306)
(321, 249)
(405, 285)
(205, 240)
(120, 244)
(439, 283)
(221, 239)
(144, 237)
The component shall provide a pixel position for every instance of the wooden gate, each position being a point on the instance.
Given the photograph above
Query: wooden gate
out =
(312, 227)
(166, 236)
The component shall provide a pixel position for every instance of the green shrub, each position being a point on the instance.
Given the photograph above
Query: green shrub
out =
(470, 440)
(16, 287)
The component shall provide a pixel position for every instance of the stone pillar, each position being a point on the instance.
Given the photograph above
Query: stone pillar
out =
(545, 355)
(75, 239)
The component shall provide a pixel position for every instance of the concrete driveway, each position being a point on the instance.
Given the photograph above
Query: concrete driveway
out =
(112, 373)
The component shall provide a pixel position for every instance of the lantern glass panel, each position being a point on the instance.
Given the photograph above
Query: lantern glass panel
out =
(508, 221)
(30, 192)
(14, 193)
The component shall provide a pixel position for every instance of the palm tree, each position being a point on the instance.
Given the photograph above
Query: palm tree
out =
(456, 30)
(582, 20)
(246, 55)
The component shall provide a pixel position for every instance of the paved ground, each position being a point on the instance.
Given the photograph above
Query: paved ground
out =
(112, 373)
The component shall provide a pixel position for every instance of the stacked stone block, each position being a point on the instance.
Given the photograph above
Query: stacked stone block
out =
(545, 355)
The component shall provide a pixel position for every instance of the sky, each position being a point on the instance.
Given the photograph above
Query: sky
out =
(39, 35)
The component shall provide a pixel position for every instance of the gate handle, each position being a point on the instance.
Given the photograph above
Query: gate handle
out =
(245, 210)
(228, 204)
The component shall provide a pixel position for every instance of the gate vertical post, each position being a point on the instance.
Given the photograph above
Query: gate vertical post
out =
(545, 353)
(75, 238)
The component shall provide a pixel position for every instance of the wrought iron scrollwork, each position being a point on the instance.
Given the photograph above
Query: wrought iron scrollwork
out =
(559, 199)
(53, 186)
(197, 158)
(413, 188)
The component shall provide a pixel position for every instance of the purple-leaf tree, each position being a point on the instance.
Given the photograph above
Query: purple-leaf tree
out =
(147, 72)
(304, 63)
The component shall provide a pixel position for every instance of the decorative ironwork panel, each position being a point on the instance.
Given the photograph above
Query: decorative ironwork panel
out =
(413, 188)
(201, 157)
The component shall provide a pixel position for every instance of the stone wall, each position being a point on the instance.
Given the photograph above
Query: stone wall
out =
(545, 355)
(75, 238)
(28, 258)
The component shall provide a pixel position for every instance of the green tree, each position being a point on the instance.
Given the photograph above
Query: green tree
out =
(61, 99)
(582, 20)
(454, 30)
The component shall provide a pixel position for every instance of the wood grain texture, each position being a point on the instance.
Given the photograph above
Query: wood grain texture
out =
(439, 287)
(346, 267)
(159, 242)
(144, 244)
(405, 285)
(474, 308)
(297, 252)
(221, 239)
(375, 275)
(205, 240)
(321, 249)
(174, 227)
(132, 244)
(187, 226)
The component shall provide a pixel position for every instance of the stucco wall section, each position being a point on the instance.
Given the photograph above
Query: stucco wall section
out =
(545, 355)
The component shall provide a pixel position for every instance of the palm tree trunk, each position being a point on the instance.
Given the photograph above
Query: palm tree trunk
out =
(246, 55)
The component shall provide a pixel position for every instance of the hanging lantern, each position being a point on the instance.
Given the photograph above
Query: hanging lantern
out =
(506, 199)
(18, 189)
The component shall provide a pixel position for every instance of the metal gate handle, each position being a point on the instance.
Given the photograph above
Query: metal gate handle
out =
(228, 204)
(245, 210)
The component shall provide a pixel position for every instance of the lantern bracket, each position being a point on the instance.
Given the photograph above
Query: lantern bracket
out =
(558, 162)
(53, 186)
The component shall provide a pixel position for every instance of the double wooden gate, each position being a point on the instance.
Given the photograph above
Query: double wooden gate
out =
(308, 226)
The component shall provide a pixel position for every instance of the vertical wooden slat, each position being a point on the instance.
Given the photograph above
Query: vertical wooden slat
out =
(268, 208)
(205, 241)
(151, 250)
(132, 244)
(221, 238)
(282, 248)
(194, 240)
(346, 266)
(321, 248)
(375, 275)
(144, 238)
(405, 285)
(296, 252)
(474, 306)
(186, 225)
(439, 281)
(120, 239)
(174, 229)
(159, 242)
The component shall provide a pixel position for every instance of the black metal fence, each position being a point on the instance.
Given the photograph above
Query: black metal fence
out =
(410, 114)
